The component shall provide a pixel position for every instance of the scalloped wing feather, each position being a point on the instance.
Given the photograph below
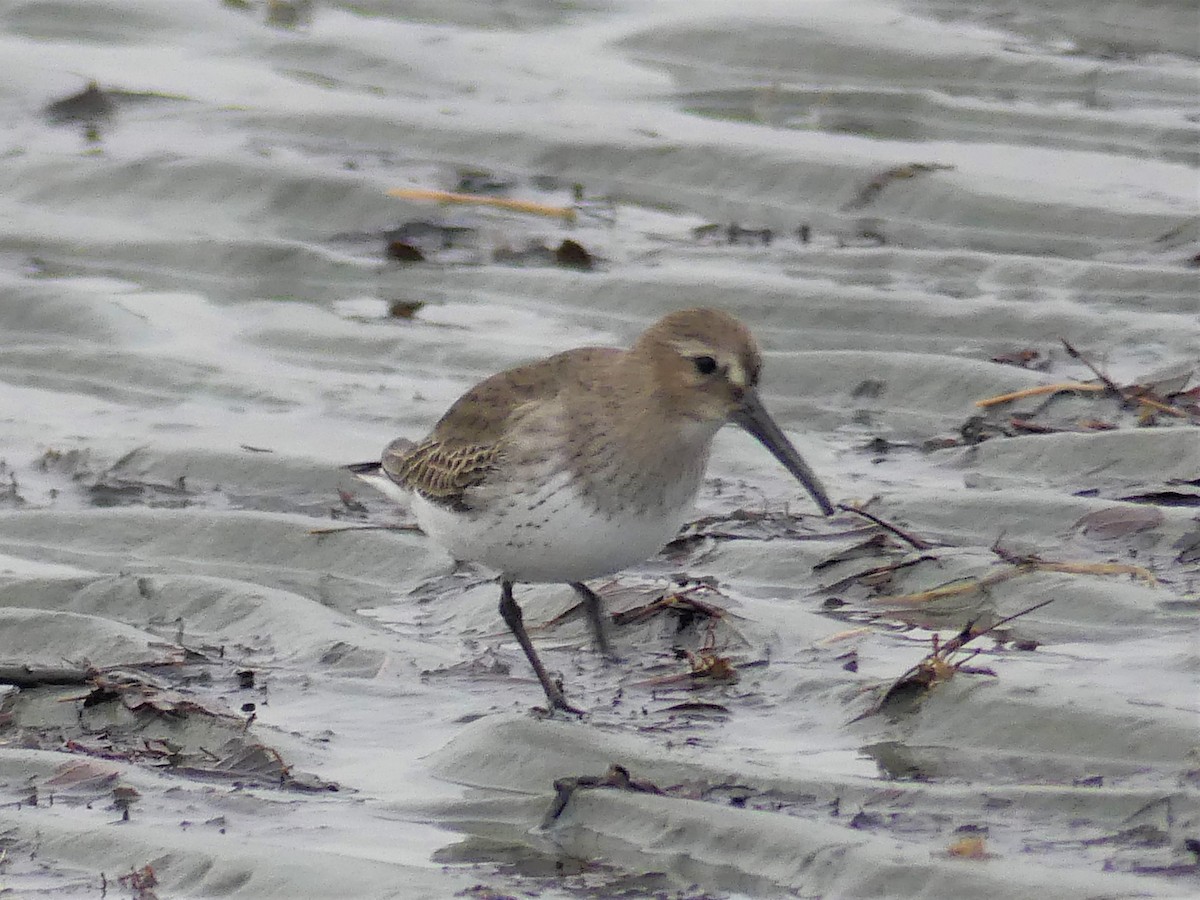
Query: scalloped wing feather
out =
(439, 472)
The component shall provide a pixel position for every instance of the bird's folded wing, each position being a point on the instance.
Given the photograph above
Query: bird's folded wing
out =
(440, 472)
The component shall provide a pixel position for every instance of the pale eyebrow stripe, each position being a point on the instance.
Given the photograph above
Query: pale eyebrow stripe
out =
(692, 348)
(737, 374)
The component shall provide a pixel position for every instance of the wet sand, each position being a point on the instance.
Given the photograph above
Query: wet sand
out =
(199, 324)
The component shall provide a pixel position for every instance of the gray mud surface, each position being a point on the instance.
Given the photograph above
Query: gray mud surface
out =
(209, 303)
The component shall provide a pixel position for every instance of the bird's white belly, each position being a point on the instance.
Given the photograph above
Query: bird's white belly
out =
(551, 533)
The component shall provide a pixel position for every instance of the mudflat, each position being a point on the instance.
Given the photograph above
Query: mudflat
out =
(967, 240)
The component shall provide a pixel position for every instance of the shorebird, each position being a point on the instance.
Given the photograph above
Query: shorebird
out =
(584, 463)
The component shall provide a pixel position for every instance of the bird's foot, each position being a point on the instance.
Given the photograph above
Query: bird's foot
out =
(559, 702)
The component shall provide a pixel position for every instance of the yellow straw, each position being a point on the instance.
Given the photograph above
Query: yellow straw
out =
(1039, 390)
(525, 206)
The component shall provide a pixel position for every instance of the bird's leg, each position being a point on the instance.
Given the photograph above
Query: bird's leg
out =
(511, 613)
(595, 614)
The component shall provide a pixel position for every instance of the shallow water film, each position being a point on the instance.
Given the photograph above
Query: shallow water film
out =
(244, 243)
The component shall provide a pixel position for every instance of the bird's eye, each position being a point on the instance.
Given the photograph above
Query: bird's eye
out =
(705, 365)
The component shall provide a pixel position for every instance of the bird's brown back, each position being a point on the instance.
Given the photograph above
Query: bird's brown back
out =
(469, 442)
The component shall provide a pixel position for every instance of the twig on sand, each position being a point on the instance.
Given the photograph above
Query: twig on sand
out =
(704, 664)
(27, 676)
(523, 206)
(1039, 390)
(915, 542)
(1019, 565)
(1140, 394)
(410, 527)
(938, 666)
(676, 600)
(682, 603)
(1108, 382)
(1129, 396)
(617, 777)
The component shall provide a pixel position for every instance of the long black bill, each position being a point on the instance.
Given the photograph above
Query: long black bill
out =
(753, 417)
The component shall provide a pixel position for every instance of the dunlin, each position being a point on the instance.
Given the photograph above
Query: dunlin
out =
(581, 464)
